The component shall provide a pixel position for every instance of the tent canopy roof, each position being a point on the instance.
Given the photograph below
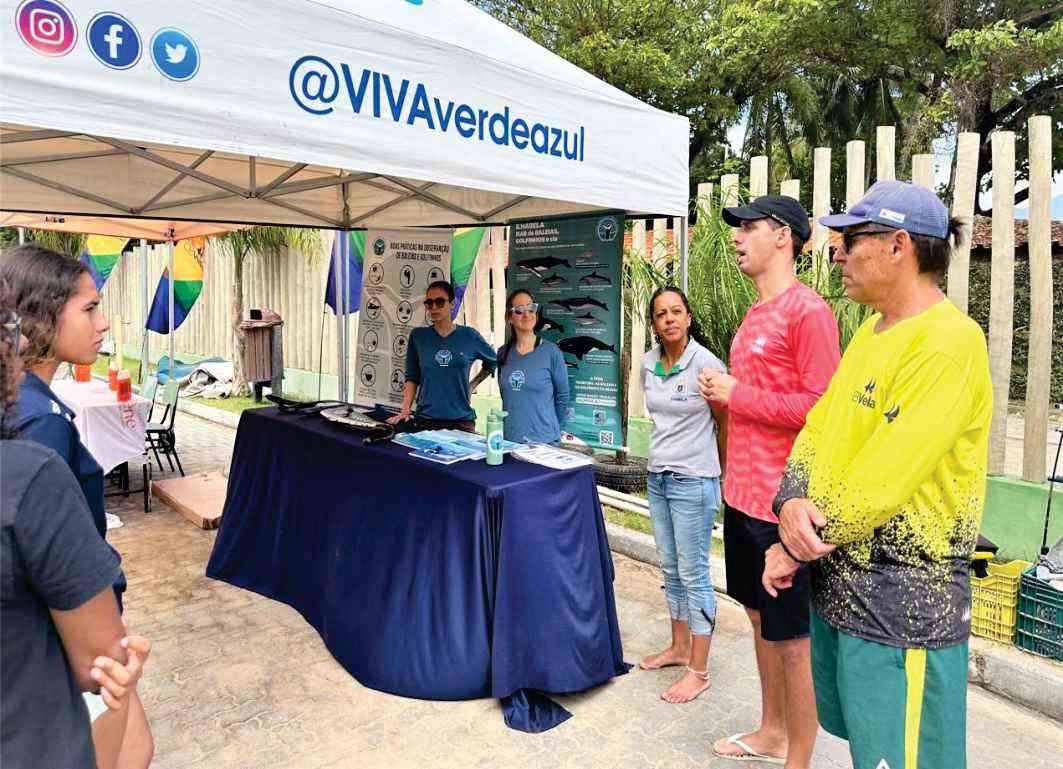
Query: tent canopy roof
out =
(327, 114)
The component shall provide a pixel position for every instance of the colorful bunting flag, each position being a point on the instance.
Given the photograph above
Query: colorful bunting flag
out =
(101, 254)
(464, 246)
(352, 244)
(188, 283)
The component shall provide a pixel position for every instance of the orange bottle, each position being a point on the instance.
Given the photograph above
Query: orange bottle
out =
(82, 372)
(112, 376)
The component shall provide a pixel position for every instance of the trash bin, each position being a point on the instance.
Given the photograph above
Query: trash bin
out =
(263, 357)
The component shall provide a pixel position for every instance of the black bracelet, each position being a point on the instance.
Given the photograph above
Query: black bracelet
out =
(790, 555)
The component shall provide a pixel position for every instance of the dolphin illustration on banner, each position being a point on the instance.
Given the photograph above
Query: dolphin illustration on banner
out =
(187, 286)
(101, 254)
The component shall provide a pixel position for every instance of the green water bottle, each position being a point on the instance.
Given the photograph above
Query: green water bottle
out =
(494, 436)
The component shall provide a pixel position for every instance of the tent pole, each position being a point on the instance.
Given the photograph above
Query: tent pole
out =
(337, 281)
(684, 252)
(144, 308)
(170, 282)
(21, 236)
(346, 316)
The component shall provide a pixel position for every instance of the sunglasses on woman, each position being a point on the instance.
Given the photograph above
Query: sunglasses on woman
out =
(520, 309)
(438, 302)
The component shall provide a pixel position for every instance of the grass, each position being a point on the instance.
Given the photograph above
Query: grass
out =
(231, 404)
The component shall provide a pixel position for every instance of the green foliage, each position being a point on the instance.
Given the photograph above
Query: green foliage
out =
(720, 294)
(808, 73)
(67, 243)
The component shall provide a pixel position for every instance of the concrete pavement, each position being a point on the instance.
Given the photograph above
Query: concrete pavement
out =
(237, 681)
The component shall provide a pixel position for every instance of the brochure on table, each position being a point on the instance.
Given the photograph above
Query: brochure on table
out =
(449, 446)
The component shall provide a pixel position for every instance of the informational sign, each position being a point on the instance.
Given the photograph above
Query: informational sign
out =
(398, 267)
(572, 268)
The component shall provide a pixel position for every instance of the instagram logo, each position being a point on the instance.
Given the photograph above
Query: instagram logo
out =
(47, 27)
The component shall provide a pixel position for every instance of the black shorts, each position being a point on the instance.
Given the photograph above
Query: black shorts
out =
(745, 541)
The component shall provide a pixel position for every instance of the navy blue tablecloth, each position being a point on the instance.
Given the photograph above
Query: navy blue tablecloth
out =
(425, 580)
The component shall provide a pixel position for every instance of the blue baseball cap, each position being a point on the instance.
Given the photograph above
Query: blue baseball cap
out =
(900, 205)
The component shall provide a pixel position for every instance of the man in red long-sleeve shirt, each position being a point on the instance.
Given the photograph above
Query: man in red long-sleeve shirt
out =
(782, 359)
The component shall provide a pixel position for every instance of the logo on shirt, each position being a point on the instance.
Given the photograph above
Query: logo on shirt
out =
(893, 413)
(443, 358)
(517, 380)
(864, 398)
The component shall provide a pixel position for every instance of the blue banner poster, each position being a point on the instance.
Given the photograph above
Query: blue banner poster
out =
(572, 268)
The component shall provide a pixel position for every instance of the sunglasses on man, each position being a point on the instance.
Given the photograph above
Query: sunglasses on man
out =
(849, 238)
(438, 302)
(520, 309)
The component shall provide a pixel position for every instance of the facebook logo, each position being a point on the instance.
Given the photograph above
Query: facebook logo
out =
(114, 41)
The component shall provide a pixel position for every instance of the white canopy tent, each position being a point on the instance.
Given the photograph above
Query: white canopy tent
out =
(331, 113)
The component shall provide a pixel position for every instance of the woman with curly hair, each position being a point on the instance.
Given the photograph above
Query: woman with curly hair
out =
(60, 630)
(59, 308)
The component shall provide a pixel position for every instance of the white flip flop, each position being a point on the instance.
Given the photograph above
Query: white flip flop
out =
(749, 754)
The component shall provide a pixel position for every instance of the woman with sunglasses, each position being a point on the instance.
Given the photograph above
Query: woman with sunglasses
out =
(687, 447)
(59, 307)
(438, 359)
(532, 375)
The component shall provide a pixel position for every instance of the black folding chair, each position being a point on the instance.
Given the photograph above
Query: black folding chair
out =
(161, 438)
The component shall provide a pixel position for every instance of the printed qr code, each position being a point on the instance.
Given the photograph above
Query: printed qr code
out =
(605, 437)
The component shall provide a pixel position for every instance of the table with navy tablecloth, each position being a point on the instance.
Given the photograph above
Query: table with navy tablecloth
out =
(441, 582)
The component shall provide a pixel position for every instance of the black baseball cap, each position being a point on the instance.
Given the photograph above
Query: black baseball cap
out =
(781, 208)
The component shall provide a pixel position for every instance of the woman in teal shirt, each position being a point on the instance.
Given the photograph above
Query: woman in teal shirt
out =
(438, 359)
(532, 376)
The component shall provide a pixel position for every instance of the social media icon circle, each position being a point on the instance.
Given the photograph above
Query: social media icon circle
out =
(175, 54)
(113, 40)
(47, 27)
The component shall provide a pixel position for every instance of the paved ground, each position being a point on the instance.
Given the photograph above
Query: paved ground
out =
(239, 681)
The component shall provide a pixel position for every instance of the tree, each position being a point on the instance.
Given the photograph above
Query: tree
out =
(809, 73)
(266, 242)
(66, 243)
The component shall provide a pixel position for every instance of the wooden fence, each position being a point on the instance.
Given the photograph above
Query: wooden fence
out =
(293, 284)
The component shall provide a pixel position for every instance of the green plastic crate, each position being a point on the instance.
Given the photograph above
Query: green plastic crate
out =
(1039, 629)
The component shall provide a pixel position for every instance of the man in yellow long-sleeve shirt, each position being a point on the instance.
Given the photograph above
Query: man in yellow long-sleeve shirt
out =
(884, 490)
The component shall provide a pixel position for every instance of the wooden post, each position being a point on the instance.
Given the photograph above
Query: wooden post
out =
(820, 207)
(1002, 295)
(660, 241)
(854, 172)
(923, 171)
(1039, 356)
(885, 153)
(758, 176)
(728, 190)
(704, 198)
(791, 188)
(636, 402)
(963, 207)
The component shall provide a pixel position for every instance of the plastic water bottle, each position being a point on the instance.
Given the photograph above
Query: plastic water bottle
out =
(494, 436)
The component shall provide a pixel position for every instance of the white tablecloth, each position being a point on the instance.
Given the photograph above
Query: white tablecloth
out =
(113, 432)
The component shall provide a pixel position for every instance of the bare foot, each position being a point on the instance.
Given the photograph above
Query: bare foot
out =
(686, 688)
(762, 743)
(670, 657)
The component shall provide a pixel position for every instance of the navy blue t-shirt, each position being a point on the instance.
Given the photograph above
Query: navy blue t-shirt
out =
(440, 365)
(51, 559)
(41, 417)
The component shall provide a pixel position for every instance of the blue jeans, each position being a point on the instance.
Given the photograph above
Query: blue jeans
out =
(682, 509)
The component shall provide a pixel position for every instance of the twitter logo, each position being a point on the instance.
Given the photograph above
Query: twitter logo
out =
(175, 54)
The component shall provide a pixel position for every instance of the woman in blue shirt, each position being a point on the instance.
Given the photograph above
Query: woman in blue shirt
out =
(438, 359)
(59, 306)
(532, 375)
